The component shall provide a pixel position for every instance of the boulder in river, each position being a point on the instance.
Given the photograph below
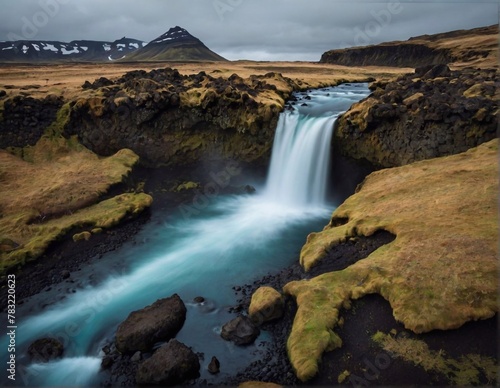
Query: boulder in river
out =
(240, 330)
(172, 364)
(158, 322)
(45, 350)
(214, 366)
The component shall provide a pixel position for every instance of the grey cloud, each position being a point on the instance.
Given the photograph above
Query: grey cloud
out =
(252, 29)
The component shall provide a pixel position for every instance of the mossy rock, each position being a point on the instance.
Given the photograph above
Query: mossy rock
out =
(187, 186)
(82, 236)
(266, 305)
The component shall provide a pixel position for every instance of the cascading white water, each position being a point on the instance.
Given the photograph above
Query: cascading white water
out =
(232, 241)
(300, 164)
(298, 175)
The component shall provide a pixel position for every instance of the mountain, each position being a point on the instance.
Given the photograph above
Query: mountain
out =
(175, 45)
(478, 46)
(77, 50)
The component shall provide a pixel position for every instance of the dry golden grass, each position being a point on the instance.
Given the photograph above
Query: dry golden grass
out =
(56, 187)
(67, 79)
(441, 270)
(466, 44)
(469, 46)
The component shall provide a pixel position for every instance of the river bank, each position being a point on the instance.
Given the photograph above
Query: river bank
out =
(359, 353)
(365, 361)
(182, 193)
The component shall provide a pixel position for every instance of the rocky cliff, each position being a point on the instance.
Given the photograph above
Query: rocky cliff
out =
(402, 55)
(432, 112)
(169, 119)
(473, 46)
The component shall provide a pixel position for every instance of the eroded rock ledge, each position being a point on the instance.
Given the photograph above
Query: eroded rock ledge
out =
(433, 112)
(169, 119)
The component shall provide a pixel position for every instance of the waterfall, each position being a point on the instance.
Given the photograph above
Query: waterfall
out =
(300, 163)
(233, 239)
(298, 175)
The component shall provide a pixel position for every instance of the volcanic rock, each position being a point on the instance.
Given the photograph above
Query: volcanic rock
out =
(240, 330)
(45, 350)
(172, 364)
(158, 322)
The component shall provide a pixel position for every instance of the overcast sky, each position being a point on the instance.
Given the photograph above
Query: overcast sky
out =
(244, 29)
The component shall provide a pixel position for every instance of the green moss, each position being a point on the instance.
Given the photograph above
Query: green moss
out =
(102, 215)
(379, 337)
(343, 376)
(465, 371)
(57, 187)
(266, 304)
(82, 236)
(187, 186)
(62, 119)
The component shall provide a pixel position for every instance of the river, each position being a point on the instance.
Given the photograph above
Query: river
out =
(232, 240)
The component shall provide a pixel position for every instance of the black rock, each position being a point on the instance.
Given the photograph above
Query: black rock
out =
(240, 330)
(214, 366)
(173, 363)
(45, 349)
(136, 357)
(158, 322)
(107, 362)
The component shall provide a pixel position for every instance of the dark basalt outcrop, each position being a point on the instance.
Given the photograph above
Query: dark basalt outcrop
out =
(170, 119)
(433, 112)
(402, 55)
(24, 119)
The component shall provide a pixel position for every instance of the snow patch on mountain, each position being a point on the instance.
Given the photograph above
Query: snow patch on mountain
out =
(175, 33)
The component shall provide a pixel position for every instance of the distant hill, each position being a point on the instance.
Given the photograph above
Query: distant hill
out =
(478, 46)
(77, 50)
(177, 44)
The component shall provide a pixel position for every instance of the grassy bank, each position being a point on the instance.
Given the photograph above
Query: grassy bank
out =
(56, 187)
(441, 270)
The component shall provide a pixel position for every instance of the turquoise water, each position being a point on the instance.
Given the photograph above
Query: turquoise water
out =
(231, 241)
